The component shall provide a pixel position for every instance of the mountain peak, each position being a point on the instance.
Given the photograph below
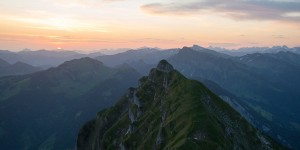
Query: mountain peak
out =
(84, 64)
(197, 47)
(3, 63)
(170, 111)
(82, 61)
(164, 66)
(26, 50)
(186, 50)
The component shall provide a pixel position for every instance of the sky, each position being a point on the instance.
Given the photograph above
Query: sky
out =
(90, 25)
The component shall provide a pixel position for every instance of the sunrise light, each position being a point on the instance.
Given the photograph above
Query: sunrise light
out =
(91, 25)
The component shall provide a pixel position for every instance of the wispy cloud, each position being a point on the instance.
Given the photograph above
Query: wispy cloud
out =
(236, 9)
(61, 23)
(278, 36)
(153, 40)
(55, 38)
(113, 0)
(225, 44)
(17, 37)
(55, 23)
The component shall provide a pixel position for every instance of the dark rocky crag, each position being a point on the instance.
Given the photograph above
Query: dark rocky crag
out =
(168, 111)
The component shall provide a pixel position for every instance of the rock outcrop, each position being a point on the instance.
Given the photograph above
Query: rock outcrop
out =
(164, 66)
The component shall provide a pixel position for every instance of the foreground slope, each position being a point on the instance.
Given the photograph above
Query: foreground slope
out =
(168, 111)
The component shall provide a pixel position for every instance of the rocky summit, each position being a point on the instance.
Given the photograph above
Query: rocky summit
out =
(169, 111)
(164, 66)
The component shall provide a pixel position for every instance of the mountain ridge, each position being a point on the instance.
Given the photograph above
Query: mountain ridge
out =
(267, 90)
(170, 112)
(18, 68)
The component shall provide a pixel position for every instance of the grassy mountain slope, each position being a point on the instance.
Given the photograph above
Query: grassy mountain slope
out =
(168, 111)
(266, 83)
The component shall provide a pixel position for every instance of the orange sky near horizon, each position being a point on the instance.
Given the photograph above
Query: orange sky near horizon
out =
(89, 25)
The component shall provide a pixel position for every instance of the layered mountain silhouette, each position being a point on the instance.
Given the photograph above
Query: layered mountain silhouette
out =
(250, 50)
(169, 111)
(17, 68)
(43, 58)
(146, 55)
(45, 110)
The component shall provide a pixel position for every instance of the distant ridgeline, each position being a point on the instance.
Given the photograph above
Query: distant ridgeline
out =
(45, 110)
(169, 111)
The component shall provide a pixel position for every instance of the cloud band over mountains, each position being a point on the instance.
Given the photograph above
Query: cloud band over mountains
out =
(235, 9)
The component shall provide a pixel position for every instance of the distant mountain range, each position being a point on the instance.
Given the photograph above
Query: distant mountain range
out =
(168, 111)
(147, 55)
(52, 58)
(44, 110)
(17, 68)
(251, 50)
(43, 58)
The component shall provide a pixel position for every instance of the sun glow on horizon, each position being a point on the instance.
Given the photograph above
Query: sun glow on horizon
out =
(91, 25)
(55, 23)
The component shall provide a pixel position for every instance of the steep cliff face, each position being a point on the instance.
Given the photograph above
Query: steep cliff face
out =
(168, 111)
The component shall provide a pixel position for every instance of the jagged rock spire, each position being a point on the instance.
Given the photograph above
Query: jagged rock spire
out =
(164, 66)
